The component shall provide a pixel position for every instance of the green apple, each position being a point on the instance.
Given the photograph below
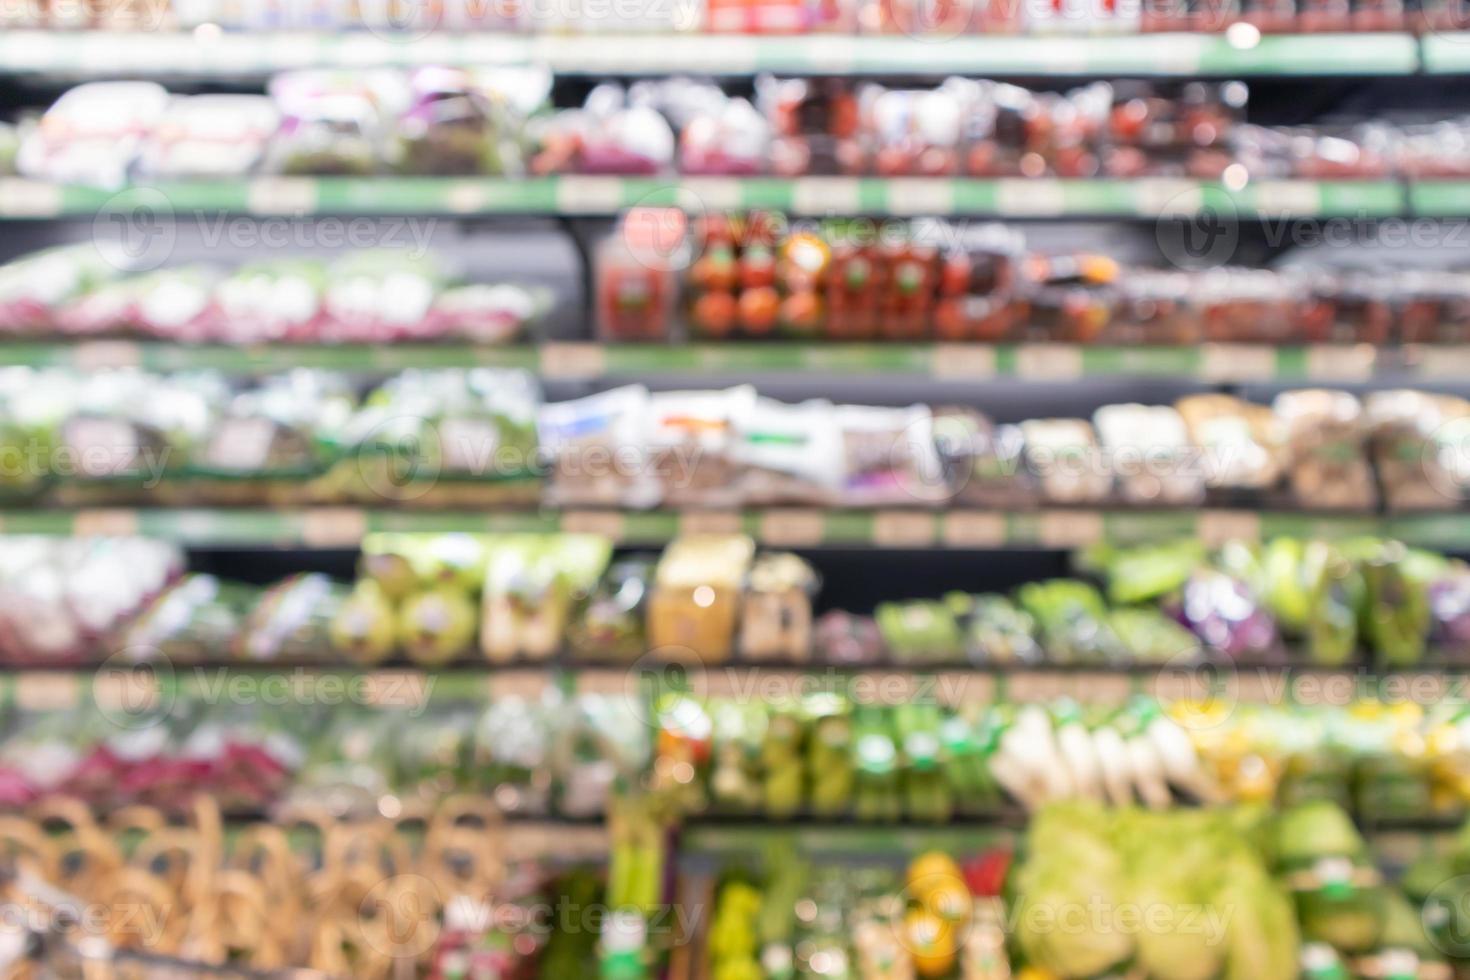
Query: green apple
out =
(387, 561)
(453, 560)
(436, 626)
(363, 627)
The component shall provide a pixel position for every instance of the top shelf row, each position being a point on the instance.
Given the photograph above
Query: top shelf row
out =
(210, 53)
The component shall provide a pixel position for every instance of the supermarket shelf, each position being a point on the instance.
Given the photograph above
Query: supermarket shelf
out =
(589, 195)
(796, 527)
(564, 360)
(1426, 824)
(1446, 52)
(230, 55)
(139, 690)
(471, 668)
(713, 836)
(247, 359)
(1441, 198)
(710, 836)
(555, 838)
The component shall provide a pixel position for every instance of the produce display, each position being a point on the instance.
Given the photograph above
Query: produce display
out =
(830, 754)
(1242, 886)
(1286, 601)
(1230, 892)
(430, 599)
(482, 437)
(361, 898)
(364, 298)
(709, 599)
(766, 649)
(1306, 863)
(753, 276)
(1327, 601)
(874, 921)
(535, 756)
(835, 755)
(763, 275)
(421, 438)
(446, 121)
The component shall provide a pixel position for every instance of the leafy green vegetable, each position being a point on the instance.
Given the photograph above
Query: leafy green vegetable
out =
(1207, 903)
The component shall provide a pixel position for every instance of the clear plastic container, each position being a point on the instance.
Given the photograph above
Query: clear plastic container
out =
(1347, 306)
(1246, 305)
(635, 285)
(1155, 307)
(1326, 439)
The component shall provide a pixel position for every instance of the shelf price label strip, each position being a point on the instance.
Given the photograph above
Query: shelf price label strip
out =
(235, 53)
(577, 361)
(784, 527)
(578, 195)
(144, 693)
(137, 692)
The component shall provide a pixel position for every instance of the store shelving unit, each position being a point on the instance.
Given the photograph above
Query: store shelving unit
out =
(208, 57)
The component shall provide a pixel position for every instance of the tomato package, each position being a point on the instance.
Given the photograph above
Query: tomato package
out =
(815, 124)
(1070, 297)
(635, 288)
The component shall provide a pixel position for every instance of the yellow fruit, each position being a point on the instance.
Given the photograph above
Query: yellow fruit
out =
(930, 940)
(931, 870)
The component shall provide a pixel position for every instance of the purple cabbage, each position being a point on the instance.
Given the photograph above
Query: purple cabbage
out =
(1449, 611)
(1223, 613)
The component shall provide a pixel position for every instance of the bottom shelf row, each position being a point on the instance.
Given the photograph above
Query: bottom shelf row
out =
(1084, 892)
